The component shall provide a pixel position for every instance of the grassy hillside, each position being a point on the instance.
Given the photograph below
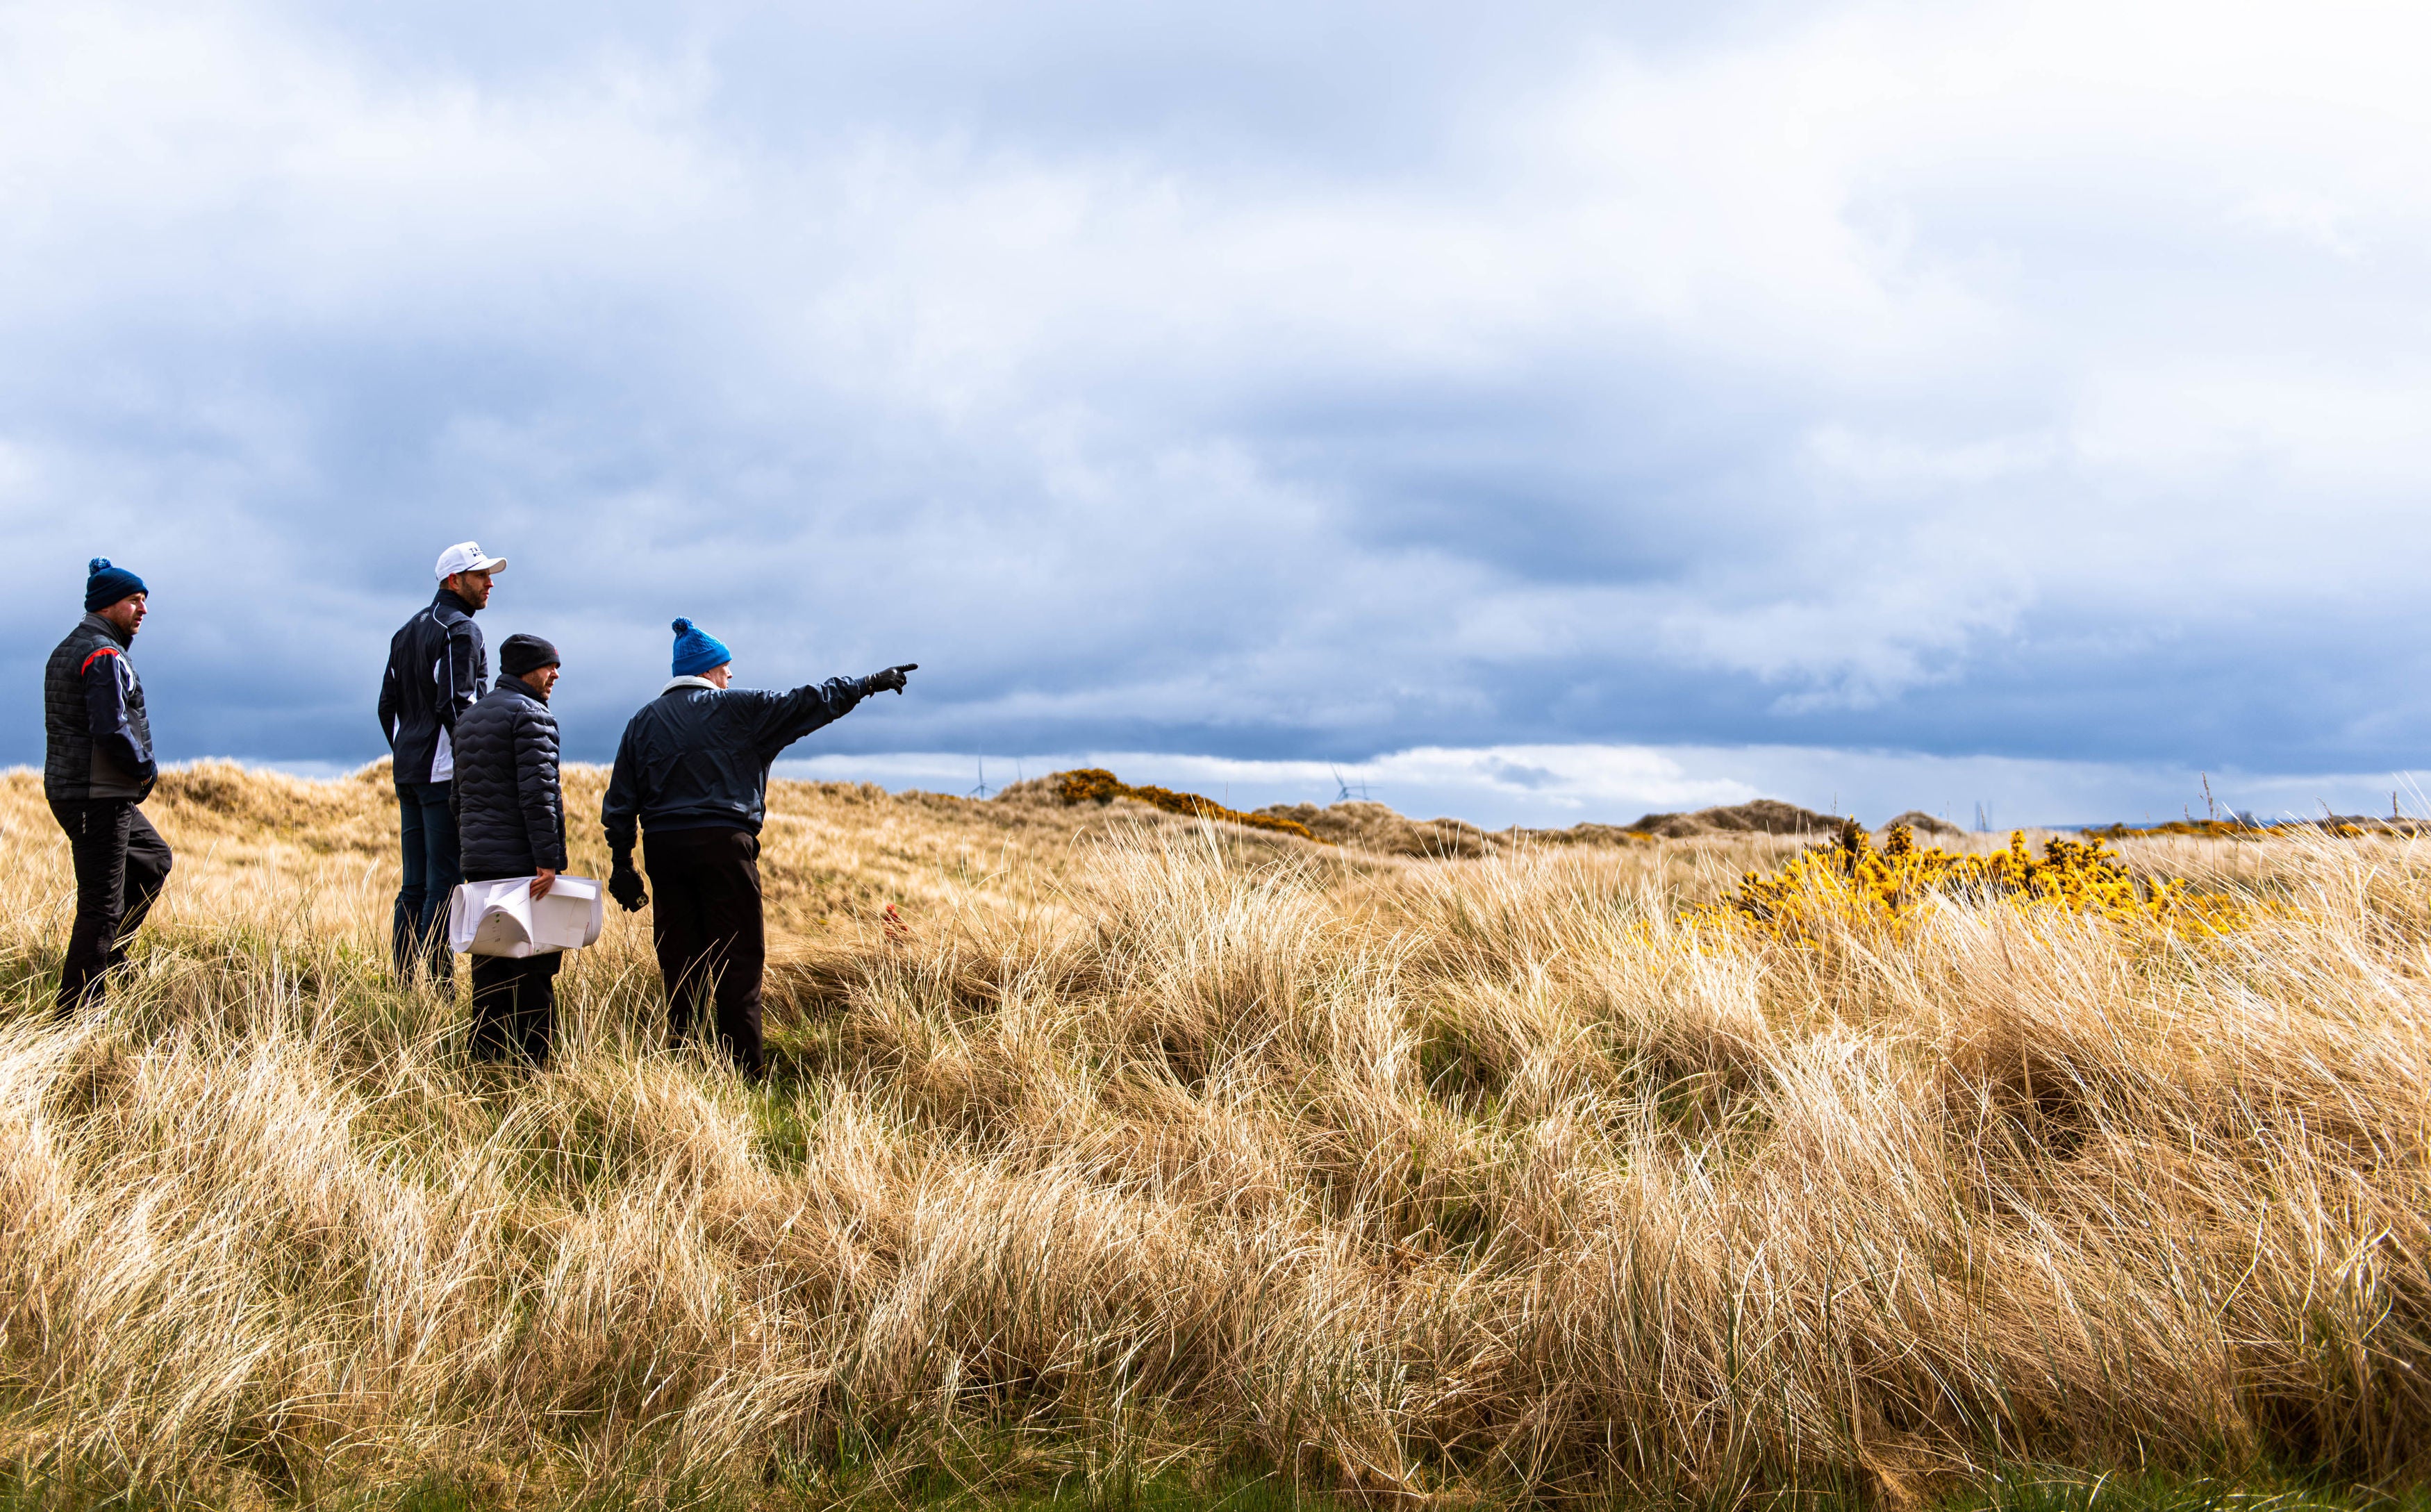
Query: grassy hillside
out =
(1156, 1159)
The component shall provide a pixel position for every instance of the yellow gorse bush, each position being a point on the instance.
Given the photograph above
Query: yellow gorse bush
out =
(1848, 883)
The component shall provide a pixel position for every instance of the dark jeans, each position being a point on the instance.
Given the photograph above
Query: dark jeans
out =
(419, 931)
(705, 921)
(121, 862)
(515, 1001)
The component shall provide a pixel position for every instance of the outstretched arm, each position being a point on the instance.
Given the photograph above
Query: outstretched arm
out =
(786, 717)
(789, 717)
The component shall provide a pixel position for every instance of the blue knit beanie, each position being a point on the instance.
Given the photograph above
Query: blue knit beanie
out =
(697, 650)
(104, 586)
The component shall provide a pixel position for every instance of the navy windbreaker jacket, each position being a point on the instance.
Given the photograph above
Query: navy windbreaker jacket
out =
(437, 668)
(697, 757)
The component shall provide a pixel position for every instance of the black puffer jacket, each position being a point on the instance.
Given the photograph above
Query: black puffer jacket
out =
(510, 810)
(697, 757)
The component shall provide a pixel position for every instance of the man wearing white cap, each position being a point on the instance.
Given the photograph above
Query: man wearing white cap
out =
(437, 667)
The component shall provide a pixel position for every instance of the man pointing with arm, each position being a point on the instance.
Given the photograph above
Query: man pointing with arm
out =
(691, 772)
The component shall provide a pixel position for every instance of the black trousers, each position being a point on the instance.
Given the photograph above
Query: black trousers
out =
(121, 862)
(712, 944)
(418, 929)
(515, 1001)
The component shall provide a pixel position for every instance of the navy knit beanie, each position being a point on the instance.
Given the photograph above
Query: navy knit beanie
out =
(697, 650)
(104, 586)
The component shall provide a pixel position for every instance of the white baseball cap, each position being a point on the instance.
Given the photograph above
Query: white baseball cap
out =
(466, 556)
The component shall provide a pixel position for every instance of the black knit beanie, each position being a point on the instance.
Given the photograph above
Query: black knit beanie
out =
(526, 653)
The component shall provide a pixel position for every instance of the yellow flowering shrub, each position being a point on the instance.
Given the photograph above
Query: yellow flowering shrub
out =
(1850, 884)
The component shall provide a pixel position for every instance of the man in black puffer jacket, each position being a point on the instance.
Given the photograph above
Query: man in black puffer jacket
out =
(691, 772)
(97, 770)
(510, 822)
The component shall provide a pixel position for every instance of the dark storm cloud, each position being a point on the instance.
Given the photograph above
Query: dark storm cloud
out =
(1275, 384)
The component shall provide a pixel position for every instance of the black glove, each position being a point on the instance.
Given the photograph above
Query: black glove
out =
(625, 885)
(890, 678)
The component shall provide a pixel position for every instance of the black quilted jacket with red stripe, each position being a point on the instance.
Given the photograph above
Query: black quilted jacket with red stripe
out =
(97, 735)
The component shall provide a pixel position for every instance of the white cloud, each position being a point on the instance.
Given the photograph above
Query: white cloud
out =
(1898, 466)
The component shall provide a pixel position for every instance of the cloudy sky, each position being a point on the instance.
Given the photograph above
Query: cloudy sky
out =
(1538, 411)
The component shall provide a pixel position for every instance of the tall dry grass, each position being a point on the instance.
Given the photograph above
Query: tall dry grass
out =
(1159, 1148)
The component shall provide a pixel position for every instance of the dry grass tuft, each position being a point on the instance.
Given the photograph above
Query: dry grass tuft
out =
(1129, 1145)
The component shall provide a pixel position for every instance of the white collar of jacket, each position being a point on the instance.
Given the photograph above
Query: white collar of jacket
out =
(674, 683)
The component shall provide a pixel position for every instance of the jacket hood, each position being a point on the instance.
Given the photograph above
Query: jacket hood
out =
(512, 684)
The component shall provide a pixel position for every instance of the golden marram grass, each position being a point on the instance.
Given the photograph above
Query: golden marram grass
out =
(1157, 1149)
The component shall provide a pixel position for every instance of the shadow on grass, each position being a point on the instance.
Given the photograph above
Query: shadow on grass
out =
(943, 1488)
(2064, 1490)
(936, 1490)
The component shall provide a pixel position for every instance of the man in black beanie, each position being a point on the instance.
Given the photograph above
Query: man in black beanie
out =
(510, 822)
(96, 770)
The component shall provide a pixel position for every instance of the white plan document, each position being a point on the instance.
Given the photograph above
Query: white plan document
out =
(503, 918)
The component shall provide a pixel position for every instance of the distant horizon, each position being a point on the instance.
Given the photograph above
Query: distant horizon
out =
(1554, 787)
